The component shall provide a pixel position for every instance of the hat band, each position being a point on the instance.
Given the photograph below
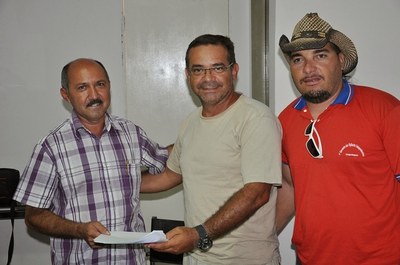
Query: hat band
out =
(309, 34)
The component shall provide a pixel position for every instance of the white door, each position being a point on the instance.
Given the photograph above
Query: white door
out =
(156, 36)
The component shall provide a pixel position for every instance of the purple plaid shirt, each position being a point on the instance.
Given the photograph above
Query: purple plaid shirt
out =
(84, 178)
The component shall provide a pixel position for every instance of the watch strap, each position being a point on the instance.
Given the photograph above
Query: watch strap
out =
(201, 231)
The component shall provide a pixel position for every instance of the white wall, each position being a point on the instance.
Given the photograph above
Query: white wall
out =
(39, 37)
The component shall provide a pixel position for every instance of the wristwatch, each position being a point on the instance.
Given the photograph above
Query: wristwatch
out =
(205, 242)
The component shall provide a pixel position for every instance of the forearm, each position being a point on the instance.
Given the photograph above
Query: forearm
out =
(48, 223)
(159, 182)
(285, 207)
(241, 206)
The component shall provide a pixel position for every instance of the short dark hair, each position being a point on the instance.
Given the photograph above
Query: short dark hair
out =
(207, 39)
(64, 73)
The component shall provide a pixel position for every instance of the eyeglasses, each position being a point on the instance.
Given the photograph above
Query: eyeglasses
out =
(313, 148)
(219, 69)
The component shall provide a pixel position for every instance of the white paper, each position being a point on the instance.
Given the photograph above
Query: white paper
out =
(123, 237)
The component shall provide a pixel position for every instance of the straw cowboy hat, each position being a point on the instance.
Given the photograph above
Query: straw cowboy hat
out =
(312, 32)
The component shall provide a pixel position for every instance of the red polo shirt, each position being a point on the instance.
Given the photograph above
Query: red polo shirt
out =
(348, 202)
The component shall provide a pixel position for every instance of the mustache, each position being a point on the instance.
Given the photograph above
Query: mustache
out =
(208, 84)
(310, 77)
(94, 101)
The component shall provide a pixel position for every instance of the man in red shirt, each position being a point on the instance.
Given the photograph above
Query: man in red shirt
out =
(341, 155)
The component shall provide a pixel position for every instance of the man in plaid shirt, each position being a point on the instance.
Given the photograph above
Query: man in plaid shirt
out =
(84, 177)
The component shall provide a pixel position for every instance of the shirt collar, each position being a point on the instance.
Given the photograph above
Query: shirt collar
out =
(344, 97)
(77, 125)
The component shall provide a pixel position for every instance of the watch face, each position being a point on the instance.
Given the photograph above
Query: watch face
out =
(205, 244)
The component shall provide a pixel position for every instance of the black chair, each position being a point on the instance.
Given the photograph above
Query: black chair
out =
(9, 179)
(164, 225)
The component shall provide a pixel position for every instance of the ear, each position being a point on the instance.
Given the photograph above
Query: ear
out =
(235, 71)
(64, 94)
(341, 59)
(187, 73)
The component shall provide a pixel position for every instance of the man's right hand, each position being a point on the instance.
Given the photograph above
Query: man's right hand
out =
(89, 231)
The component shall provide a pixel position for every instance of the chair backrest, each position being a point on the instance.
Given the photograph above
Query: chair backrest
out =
(165, 225)
(9, 179)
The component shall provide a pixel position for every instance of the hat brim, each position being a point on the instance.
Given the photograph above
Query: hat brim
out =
(344, 44)
(301, 44)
